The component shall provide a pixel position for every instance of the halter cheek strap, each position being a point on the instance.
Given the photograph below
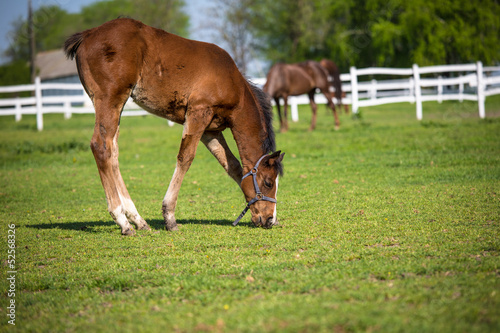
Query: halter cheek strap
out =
(259, 196)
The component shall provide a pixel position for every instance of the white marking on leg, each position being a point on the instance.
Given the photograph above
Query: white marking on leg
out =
(169, 196)
(128, 207)
(120, 219)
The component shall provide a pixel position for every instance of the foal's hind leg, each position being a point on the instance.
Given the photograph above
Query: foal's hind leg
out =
(104, 146)
(314, 109)
(217, 145)
(328, 96)
(278, 106)
(284, 128)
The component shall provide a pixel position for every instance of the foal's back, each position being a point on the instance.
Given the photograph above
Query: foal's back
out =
(163, 72)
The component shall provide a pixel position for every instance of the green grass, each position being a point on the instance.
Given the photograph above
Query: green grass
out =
(387, 225)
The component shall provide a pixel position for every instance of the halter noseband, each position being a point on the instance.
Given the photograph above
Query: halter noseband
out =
(259, 196)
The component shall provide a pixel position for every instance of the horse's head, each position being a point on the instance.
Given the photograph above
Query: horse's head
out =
(260, 186)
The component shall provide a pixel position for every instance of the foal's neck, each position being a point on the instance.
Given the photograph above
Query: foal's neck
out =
(249, 132)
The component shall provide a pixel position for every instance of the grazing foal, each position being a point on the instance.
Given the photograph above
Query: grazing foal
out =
(284, 80)
(191, 83)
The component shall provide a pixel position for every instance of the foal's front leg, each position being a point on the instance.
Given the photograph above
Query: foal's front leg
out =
(216, 143)
(191, 135)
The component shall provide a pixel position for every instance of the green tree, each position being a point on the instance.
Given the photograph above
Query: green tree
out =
(289, 30)
(452, 31)
(163, 14)
(14, 73)
(391, 33)
(53, 25)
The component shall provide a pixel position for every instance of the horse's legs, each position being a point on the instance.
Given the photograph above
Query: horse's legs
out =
(277, 101)
(104, 145)
(346, 107)
(194, 126)
(285, 114)
(314, 109)
(328, 96)
(217, 145)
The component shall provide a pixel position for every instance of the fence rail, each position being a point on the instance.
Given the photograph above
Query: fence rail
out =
(471, 82)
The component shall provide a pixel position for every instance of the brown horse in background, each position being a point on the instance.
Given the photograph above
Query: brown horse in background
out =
(335, 81)
(284, 80)
(191, 83)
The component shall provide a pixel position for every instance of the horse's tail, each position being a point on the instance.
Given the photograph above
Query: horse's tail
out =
(335, 74)
(72, 43)
(338, 86)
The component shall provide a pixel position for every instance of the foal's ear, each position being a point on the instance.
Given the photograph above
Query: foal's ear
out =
(274, 158)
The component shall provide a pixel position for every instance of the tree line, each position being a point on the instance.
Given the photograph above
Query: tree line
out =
(361, 33)
(386, 33)
(52, 25)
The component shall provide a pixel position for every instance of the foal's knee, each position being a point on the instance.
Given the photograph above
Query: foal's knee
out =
(100, 149)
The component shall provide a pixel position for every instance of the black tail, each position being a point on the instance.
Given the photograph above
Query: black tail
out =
(72, 43)
(338, 86)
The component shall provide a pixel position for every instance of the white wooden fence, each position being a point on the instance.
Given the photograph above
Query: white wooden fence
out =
(462, 82)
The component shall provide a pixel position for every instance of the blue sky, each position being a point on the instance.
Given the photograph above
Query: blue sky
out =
(12, 10)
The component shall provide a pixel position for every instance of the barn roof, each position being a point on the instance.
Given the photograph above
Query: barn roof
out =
(53, 64)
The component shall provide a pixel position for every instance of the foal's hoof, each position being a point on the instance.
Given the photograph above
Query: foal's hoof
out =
(171, 228)
(145, 227)
(128, 232)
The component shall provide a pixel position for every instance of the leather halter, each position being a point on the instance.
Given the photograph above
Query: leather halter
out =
(259, 196)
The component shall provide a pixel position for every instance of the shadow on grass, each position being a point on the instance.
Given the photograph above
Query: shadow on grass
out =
(155, 224)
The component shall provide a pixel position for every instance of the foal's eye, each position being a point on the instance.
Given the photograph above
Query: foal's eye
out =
(268, 184)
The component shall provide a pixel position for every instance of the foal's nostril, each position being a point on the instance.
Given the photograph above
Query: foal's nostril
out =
(269, 222)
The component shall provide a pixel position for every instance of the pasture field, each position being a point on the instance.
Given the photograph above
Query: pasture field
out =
(387, 225)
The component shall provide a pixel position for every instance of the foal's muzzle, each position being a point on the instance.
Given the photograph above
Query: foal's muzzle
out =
(266, 224)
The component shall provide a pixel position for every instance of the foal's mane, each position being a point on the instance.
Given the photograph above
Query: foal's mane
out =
(264, 101)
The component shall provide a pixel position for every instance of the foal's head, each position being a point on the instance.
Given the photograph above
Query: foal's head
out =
(260, 186)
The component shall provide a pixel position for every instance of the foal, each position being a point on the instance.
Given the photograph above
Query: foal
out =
(188, 82)
(284, 80)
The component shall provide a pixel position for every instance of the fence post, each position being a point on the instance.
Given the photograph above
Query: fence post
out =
(38, 106)
(19, 111)
(440, 89)
(418, 91)
(461, 92)
(294, 108)
(480, 89)
(411, 90)
(373, 89)
(67, 110)
(354, 90)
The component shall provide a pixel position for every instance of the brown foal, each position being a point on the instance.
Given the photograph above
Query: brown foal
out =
(191, 83)
(284, 80)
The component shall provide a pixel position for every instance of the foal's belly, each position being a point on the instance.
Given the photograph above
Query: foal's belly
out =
(171, 106)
